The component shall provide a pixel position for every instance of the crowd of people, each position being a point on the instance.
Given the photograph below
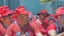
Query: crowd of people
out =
(22, 22)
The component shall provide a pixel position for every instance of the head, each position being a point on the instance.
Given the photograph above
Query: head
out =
(43, 15)
(22, 19)
(22, 16)
(60, 15)
(6, 16)
(7, 19)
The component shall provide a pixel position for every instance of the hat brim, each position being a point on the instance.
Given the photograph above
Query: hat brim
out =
(27, 13)
(8, 12)
(56, 15)
(42, 13)
(60, 14)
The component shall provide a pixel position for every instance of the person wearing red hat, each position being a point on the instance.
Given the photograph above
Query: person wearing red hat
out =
(60, 19)
(22, 26)
(5, 19)
(46, 28)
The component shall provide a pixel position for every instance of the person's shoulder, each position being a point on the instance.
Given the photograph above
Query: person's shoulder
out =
(53, 24)
(0, 24)
(51, 27)
(12, 25)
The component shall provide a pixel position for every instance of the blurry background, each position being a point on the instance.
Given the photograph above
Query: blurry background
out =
(33, 5)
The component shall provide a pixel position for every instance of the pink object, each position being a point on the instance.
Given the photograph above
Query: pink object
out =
(2, 29)
(13, 28)
(5, 11)
(60, 11)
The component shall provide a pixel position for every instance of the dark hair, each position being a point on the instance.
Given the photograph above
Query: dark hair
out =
(43, 13)
(7, 15)
(62, 28)
(4, 17)
(1, 22)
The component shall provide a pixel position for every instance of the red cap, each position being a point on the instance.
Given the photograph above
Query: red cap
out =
(42, 11)
(20, 8)
(60, 11)
(25, 12)
(5, 11)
